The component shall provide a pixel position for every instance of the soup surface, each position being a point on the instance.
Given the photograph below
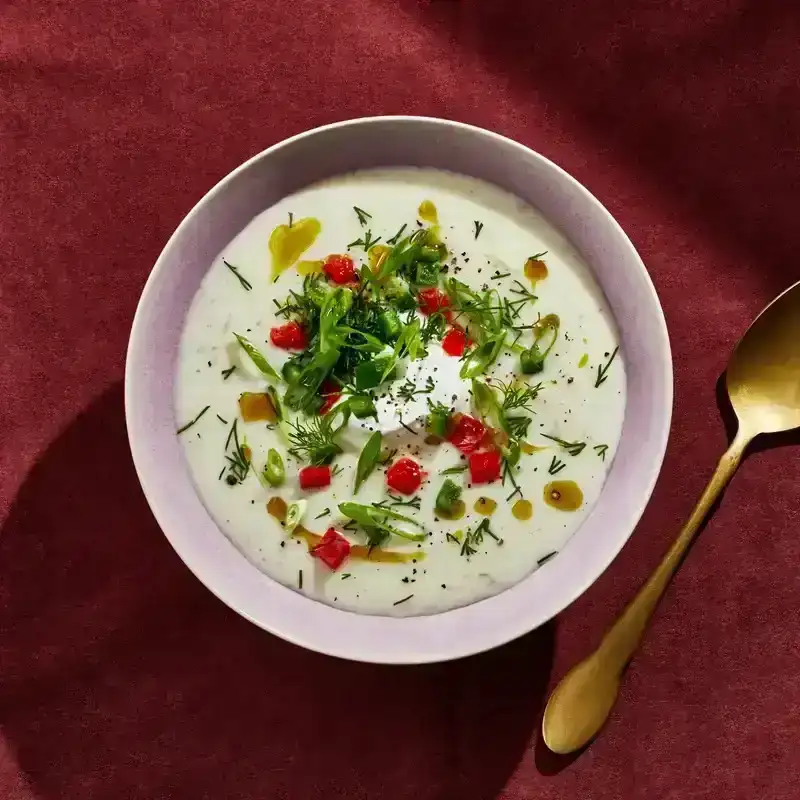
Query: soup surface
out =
(399, 391)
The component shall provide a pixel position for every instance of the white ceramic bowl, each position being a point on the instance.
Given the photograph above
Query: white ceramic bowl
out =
(320, 154)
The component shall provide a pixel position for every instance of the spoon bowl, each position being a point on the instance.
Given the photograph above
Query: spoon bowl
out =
(763, 383)
(763, 376)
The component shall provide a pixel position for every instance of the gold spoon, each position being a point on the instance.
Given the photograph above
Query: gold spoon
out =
(763, 382)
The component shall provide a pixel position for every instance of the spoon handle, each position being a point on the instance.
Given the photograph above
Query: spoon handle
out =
(621, 640)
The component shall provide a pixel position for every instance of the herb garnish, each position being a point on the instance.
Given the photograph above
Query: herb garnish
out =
(498, 275)
(374, 520)
(556, 466)
(398, 602)
(573, 448)
(246, 285)
(396, 500)
(291, 219)
(473, 539)
(368, 459)
(323, 513)
(226, 373)
(545, 559)
(222, 419)
(478, 228)
(602, 371)
(397, 236)
(454, 470)
(238, 460)
(410, 430)
(189, 424)
(347, 575)
(300, 579)
(315, 440)
(366, 241)
(258, 358)
(601, 449)
(409, 389)
(362, 215)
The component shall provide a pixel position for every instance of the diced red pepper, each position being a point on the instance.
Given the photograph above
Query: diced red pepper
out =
(331, 393)
(433, 300)
(454, 342)
(485, 467)
(315, 477)
(290, 336)
(405, 476)
(340, 269)
(333, 549)
(468, 434)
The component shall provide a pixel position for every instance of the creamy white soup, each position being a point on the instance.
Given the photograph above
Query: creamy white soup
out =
(399, 391)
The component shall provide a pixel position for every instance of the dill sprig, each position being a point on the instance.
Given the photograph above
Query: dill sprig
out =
(226, 373)
(556, 465)
(409, 389)
(366, 241)
(573, 448)
(238, 459)
(362, 215)
(602, 371)
(396, 500)
(246, 285)
(192, 422)
(474, 539)
(315, 440)
(323, 513)
(478, 228)
(519, 395)
(601, 450)
(546, 558)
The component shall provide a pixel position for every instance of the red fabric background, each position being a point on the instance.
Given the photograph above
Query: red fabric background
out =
(120, 675)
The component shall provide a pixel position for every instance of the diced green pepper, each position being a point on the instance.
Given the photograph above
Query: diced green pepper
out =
(531, 361)
(428, 253)
(389, 324)
(448, 496)
(427, 273)
(436, 423)
(291, 371)
(362, 406)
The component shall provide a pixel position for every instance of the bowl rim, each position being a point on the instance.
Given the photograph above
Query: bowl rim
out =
(488, 641)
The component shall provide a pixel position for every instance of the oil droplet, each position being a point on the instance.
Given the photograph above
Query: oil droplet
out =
(535, 269)
(485, 506)
(427, 211)
(522, 509)
(529, 449)
(257, 407)
(309, 267)
(584, 360)
(563, 495)
(286, 244)
(456, 512)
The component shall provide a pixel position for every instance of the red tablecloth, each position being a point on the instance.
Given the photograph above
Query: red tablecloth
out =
(120, 675)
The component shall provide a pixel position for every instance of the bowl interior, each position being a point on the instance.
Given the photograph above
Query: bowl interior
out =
(324, 153)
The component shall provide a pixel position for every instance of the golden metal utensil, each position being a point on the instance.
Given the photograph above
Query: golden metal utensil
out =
(763, 383)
